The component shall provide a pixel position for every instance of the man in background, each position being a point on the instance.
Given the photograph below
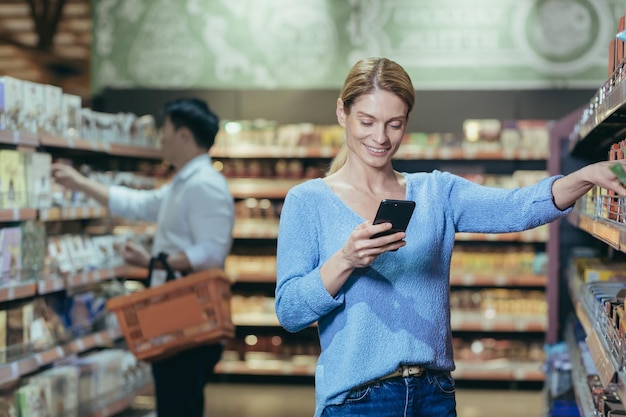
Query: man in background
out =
(194, 214)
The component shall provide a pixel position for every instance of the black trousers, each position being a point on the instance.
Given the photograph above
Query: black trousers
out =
(179, 381)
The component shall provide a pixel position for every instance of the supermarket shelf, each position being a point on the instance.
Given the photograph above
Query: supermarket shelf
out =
(499, 370)
(476, 321)
(100, 146)
(537, 235)
(598, 130)
(18, 138)
(122, 401)
(413, 152)
(458, 278)
(18, 291)
(460, 321)
(267, 367)
(584, 400)
(407, 151)
(606, 363)
(17, 214)
(58, 283)
(72, 213)
(481, 370)
(268, 277)
(496, 279)
(73, 143)
(255, 229)
(276, 188)
(135, 151)
(12, 372)
(607, 231)
(269, 151)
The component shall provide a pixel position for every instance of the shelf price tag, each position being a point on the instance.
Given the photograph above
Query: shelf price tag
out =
(16, 136)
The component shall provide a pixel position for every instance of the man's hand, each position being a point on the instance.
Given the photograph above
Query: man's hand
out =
(136, 255)
(66, 176)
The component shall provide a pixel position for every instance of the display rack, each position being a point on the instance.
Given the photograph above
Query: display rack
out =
(31, 363)
(259, 280)
(596, 128)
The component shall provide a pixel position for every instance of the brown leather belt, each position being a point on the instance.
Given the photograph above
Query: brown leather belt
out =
(405, 371)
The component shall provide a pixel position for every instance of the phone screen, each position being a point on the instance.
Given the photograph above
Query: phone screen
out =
(396, 212)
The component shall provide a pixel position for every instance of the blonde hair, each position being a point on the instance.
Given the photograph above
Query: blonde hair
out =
(368, 75)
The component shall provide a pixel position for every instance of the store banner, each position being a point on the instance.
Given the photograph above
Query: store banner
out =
(311, 44)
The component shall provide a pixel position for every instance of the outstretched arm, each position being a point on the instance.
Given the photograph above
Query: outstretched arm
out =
(568, 189)
(68, 177)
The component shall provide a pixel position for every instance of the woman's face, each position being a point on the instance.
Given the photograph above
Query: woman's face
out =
(374, 127)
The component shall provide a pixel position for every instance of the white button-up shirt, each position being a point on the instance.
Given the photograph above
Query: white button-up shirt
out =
(194, 214)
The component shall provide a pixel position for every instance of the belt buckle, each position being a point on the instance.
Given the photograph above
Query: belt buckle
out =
(408, 371)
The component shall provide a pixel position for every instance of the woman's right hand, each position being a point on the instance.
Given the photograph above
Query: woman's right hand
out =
(360, 250)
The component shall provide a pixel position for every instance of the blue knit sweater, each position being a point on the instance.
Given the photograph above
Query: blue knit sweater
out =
(397, 311)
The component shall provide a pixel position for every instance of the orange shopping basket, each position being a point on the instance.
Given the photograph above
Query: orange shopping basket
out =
(180, 314)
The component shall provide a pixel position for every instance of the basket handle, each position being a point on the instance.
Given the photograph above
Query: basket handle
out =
(161, 257)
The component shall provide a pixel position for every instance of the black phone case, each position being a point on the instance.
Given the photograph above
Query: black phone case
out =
(396, 212)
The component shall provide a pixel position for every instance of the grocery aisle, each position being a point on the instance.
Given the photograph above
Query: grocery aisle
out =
(275, 400)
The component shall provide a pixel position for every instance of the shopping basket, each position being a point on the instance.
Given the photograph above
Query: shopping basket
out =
(180, 314)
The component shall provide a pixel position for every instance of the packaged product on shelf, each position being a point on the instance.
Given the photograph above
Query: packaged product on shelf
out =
(38, 181)
(125, 122)
(53, 101)
(145, 132)
(11, 104)
(7, 405)
(10, 255)
(535, 134)
(106, 249)
(88, 124)
(19, 320)
(105, 127)
(33, 250)
(63, 383)
(33, 114)
(58, 257)
(3, 336)
(13, 192)
(50, 323)
(71, 115)
(80, 255)
(33, 399)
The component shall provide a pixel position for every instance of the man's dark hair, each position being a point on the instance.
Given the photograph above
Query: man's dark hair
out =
(195, 115)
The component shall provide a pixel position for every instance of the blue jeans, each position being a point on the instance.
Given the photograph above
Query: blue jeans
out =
(431, 395)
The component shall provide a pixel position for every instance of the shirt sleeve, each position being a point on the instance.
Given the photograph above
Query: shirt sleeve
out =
(211, 216)
(301, 297)
(481, 209)
(136, 204)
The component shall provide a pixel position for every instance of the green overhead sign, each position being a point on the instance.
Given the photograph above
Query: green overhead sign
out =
(311, 44)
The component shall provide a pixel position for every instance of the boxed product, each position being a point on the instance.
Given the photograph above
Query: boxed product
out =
(10, 255)
(13, 191)
(38, 180)
(63, 385)
(33, 114)
(7, 405)
(19, 321)
(52, 123)
(10, 103)
(58, 256)
(34, 398)
(71, 121)
(33, 251)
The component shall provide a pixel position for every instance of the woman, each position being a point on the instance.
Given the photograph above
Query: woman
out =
(382, 305)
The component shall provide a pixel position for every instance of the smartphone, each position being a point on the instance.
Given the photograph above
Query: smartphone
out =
(396, 212)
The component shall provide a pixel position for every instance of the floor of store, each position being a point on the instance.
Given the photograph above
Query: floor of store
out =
(278, 400)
